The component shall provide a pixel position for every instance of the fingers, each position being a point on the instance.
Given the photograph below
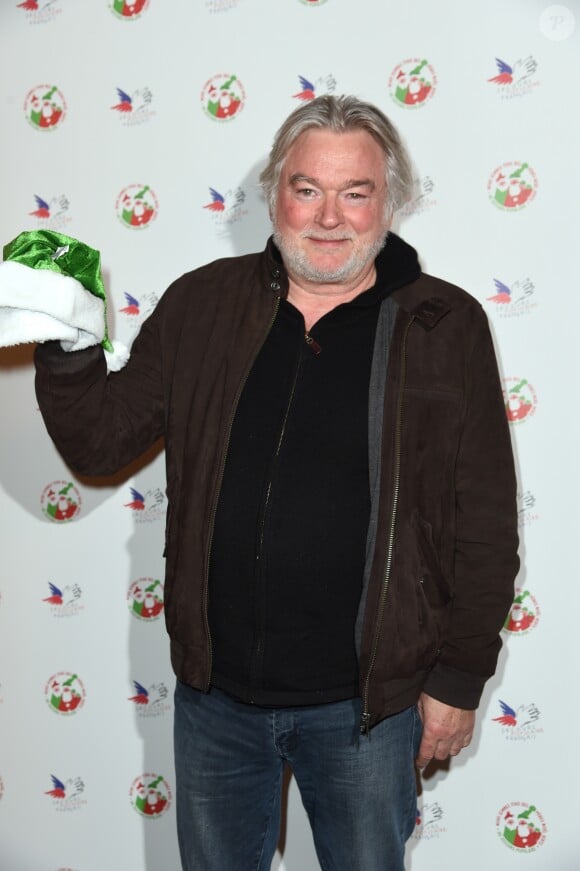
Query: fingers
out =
(440, 749)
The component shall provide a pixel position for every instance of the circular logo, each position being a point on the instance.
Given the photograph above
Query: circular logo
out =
(223, 97)
(412, 83)
(557, 22)
(145, 599)
(61, 501)
(519, 398)
(512, 185)
(521, 826)
(127, 9)
(136, 206)
(313, 2)
(65, 693)
(45, 107)
(150, 795)
(524, 613)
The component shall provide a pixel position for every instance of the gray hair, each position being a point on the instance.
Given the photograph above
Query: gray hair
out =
(342, 115)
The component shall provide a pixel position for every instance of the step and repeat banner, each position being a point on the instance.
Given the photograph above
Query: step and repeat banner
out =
(141, 127)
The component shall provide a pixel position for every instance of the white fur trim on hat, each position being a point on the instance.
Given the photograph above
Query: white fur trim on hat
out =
(39, 305)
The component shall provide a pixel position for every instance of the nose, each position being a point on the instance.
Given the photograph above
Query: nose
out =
(329, 214)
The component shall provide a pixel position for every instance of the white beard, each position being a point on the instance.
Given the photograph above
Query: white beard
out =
(297, 262)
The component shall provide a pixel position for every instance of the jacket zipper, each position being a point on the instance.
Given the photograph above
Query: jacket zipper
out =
(259, 634)
(218, 488)
(366, 715)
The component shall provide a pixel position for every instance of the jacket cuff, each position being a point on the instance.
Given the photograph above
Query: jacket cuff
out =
(460, 689)
(51, 356)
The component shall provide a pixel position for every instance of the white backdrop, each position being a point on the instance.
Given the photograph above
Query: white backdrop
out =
(130, 173)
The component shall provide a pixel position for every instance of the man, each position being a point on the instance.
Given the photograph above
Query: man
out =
(341, 533)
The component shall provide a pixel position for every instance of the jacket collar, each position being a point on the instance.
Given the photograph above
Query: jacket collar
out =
(398, 271)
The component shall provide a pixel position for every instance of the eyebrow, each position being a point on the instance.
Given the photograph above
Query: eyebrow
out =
(350, 183)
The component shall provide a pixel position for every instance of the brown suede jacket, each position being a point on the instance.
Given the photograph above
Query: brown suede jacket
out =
(444, 559)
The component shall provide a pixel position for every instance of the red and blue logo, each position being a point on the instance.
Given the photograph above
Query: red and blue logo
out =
(428, 821)
(527, 508)
(147, 506)
(51, 213)
(67, 795)
(309, 90)
(40, 11)
(514, 300)
(519, 724)
(150, 701)
(65, 602)
(134, 108)
(516, 79)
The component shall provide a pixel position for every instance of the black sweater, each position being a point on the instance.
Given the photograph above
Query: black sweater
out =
(289, 539)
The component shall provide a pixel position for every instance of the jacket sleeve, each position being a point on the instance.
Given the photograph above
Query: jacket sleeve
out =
(486, 561)
(98, 422)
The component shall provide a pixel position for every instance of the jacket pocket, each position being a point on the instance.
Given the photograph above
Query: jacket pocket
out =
(432, 579)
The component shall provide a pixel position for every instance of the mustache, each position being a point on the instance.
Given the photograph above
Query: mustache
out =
(330, 236)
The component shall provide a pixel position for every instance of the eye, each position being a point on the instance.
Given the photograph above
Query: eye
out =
(306, 192)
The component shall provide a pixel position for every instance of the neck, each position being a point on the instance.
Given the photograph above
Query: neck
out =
(313, 301)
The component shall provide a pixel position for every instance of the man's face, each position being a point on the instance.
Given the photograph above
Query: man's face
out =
(330, 216)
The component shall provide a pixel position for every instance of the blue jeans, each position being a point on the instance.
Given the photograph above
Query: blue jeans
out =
(359, 792)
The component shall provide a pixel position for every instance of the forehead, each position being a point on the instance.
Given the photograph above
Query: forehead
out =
(326, 155)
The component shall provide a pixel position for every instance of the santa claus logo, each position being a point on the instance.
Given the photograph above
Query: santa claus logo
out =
(521, 826)
(519, 398)
(128, 9)
(60, 501)
(64, 693)
(524, 613)
(145, 599)
(45, 107)
(136, 206)
(412, 83)
(223, 97)
(150, 795)
(512, 185)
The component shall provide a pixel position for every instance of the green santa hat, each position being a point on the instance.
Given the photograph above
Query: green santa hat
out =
(51, 288)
